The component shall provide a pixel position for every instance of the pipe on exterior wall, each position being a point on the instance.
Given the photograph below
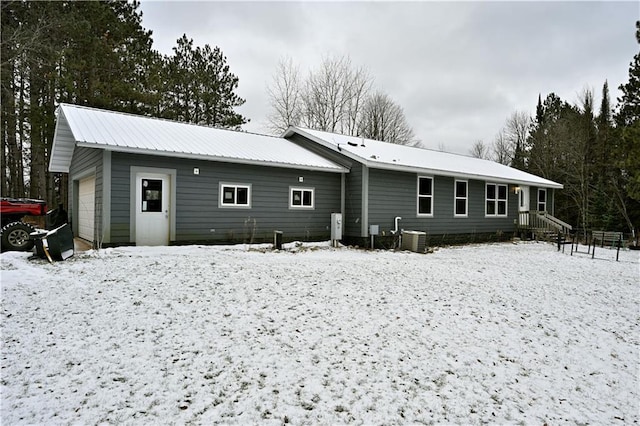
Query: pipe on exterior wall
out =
(396, 220)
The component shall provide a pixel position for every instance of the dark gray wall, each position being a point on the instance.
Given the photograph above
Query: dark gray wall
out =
(352, 220)
(394, 194)
(353, 202)
(84, 163)
(197, 210)
(533, 199)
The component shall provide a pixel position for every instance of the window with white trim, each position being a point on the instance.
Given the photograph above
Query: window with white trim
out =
(461, 195)
(235, 195)
(542, 200)
(301, 198)
(496, 200)
(425, 196)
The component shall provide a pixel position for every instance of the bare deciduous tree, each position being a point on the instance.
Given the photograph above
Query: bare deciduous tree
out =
(336, 97)
(516, 132)
(333, 95)
(285, 96)
(382, 119)
(578, 151)
(508, 147)
(479, 150)
(502, 151)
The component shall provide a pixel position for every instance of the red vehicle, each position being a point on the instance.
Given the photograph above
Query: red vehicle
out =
(15, 232)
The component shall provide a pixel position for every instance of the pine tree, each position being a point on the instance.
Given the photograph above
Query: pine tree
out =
(604, 212)
(629, 112)
(200, 87)
(89, 53)
(627, 151)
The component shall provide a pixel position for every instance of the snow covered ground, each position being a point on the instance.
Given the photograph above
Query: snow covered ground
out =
(499, 333)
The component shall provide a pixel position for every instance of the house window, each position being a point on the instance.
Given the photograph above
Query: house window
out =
(461, 196)
(301, 198)
(496, 197)
(235, 195)
(542, 200)
(425, 196)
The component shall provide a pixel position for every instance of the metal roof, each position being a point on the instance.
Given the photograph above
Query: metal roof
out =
(383, 155)
(116, 131)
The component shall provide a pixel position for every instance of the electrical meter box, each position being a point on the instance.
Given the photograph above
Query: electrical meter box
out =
(336, 226)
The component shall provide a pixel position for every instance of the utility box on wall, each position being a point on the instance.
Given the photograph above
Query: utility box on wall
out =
(336, 228)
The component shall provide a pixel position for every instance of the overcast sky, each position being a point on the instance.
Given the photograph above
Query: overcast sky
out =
(457, 69)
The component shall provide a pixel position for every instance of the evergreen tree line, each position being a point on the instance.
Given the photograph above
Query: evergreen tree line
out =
(594, 154)
(95, 54)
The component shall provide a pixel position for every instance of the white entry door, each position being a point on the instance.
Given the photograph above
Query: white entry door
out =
(86, 207)
(523, 205)
(152, 209)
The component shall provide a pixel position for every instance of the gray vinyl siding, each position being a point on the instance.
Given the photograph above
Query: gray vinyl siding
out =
(533, 199)
(394, 194)
(198, 215)
(84, 163)
(353, 202)
(321, 150)
(352, 220)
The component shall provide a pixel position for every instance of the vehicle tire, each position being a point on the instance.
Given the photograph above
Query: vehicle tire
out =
(15, 236)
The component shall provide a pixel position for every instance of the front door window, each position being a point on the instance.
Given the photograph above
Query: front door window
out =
(151, 195)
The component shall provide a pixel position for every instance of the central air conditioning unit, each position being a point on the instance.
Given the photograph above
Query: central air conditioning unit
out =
(414, 241)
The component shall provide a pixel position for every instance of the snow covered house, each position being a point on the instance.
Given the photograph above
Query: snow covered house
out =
(450, 197)
(146, 181)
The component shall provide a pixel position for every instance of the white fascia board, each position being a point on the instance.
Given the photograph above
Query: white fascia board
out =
(62, 149)
(436, 172)
(129, 150)
(402, 168)
(335, 148)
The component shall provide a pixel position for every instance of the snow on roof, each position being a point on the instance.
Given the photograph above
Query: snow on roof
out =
(116, 131)
(383, 155)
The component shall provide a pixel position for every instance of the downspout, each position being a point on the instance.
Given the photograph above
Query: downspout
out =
(364, 223)
(105, 233)
(343, 185)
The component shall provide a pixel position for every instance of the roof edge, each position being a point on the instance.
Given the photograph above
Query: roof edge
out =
(384, 166)
(173, 154)
(159, 119)
(61, 120)
(334, 147)
(437, 172)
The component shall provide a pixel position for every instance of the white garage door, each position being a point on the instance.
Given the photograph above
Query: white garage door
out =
(86, 208)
